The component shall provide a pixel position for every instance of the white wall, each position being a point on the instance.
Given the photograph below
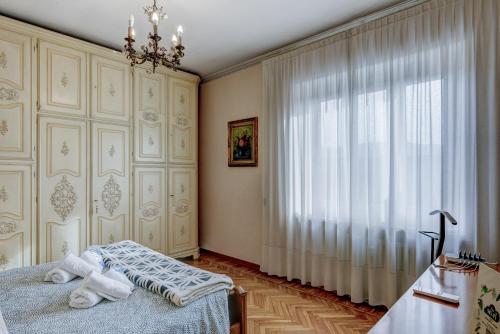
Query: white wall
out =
(230, 198)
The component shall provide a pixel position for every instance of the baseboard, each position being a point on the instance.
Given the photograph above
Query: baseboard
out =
(243, 263)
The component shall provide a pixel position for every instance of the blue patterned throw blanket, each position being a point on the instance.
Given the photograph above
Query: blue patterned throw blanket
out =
(178, 282)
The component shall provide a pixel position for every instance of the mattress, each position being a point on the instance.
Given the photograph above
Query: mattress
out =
(30, 305)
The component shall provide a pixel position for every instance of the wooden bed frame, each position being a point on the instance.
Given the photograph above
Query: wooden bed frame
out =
(237, 298)
(238, 310)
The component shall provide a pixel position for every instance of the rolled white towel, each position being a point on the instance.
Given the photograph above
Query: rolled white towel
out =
(59, 276)
(84, 298)
(106, 287)
(120, 277)
(78, 266)
(93, 258)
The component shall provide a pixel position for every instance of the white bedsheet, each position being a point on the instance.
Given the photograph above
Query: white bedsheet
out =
(31, 306)
(3, 328)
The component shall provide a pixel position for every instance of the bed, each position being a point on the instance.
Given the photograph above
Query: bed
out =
(30, 305)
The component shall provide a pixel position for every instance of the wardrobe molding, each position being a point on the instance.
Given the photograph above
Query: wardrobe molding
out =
(85, 149)
(78, 44)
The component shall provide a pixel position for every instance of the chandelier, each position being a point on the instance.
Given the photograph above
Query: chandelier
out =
(153, 52)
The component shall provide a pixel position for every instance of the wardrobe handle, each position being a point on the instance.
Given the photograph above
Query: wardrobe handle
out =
(96, 206)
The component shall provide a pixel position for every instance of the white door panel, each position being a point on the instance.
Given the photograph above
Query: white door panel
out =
(110, 183)
(110, 89)
(182, 209)
(149, 116)
(63, 238)
(15, 96)
(63, 185)
(112, 230)
(16, 205)
(12, 252)
(151, 233)
(64, 153)
(63, 80)
(150, 203)
(182, 122)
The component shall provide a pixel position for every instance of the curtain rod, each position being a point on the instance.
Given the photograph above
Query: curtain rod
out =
(314, 38)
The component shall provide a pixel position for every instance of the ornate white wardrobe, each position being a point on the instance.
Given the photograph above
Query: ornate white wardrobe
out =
(91, 150)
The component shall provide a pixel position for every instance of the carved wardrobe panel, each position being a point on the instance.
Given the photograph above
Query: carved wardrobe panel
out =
(110, 89)
(110, 183)
(149, 116)
(62, 223)
(15, 96)
(75, 121)
(149, 207)
(182, 118)
(63, 80)
(16, 203)
(182, 209)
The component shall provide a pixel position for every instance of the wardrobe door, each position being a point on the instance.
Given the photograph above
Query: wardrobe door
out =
(110, 183)
(110, 89)
(182, 210)
(182, 121)
(63, 188)
(15, 96)
(63, 78)
(149, 117)
(149, 207)
(16, 205)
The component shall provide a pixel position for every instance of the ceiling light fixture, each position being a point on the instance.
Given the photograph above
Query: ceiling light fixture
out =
(153, 52)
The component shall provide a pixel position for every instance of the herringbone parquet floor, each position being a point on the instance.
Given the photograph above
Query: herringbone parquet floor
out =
(277, 306)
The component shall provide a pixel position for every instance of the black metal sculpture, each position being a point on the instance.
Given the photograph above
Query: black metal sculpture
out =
(442, 232)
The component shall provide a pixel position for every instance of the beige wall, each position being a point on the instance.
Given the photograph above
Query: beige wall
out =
(230, 198)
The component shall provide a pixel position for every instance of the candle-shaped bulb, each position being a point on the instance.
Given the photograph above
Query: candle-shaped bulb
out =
(180, 31)
(175, 41)
(131, 32)
(155, 18)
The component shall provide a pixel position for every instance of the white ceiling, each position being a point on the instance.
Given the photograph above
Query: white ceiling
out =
(217, 33)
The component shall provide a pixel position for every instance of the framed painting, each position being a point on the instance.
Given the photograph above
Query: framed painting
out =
(242, 143)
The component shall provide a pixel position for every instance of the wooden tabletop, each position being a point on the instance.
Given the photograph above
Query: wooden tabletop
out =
(419, 314)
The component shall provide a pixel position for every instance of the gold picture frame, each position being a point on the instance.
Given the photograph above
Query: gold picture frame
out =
(243, 143)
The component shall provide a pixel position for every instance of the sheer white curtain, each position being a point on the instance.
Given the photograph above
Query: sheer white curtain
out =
(367, 133)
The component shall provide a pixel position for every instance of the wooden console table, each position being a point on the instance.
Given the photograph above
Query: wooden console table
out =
(419, 314)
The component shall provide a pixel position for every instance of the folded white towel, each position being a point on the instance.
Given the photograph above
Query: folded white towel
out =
(106, 287)
(120, 277)
(78, 266)
(59, 276)
(84, 298)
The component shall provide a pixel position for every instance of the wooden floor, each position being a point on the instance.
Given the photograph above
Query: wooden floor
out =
(278, 306)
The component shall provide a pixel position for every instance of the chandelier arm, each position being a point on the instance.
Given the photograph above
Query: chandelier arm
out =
(167, 63)
(140, 61)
